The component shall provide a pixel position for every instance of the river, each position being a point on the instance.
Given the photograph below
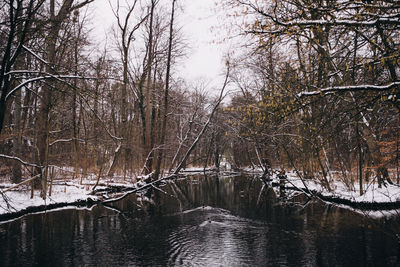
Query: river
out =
(203, 221)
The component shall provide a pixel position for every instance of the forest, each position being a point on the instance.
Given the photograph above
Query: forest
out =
(314, 89)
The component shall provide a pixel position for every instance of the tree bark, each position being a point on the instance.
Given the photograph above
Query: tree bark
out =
(165, 110)
(150, 112)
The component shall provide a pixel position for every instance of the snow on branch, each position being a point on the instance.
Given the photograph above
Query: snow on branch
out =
(365, 87)
(373, 20)
(341, 22)
(65, 140)
(35, 55)
(47, 76)
(20, 160)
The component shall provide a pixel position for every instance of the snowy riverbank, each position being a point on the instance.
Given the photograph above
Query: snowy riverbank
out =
(385, 200)
(372, 193)
(374, 202)
(19, 199)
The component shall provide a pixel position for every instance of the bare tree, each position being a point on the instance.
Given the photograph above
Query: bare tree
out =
(18, 16)
(126, 37)
(56, 19)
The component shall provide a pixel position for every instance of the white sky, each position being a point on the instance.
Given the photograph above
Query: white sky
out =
(204, 59)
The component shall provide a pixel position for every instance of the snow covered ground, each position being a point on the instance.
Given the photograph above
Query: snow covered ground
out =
(388, 193)
(64, 192)
(16, 200)
(71, 191)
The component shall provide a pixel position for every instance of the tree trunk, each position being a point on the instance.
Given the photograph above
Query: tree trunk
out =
(17, 173)
(165, 110)
(217, 151)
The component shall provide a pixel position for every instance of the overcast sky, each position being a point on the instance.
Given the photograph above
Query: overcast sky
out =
(203, 59)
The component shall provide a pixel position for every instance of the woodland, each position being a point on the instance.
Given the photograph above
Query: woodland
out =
(314, 88)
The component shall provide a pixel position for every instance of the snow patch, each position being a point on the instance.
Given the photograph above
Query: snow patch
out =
(21, 199)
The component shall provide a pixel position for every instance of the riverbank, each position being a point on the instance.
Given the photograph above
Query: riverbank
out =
(18, 202)
(73, 192)
(388, 193)
(375, 201)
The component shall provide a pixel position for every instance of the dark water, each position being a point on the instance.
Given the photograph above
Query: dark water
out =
(202, 222)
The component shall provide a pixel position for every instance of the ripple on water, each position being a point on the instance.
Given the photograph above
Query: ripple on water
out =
(214, 237)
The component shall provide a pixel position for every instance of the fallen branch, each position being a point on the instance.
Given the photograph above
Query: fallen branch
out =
(134, 190)
(35, 209)
(22, 183)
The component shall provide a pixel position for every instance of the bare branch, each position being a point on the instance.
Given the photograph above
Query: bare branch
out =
(189, 151)
(20, 160)
(353, 88)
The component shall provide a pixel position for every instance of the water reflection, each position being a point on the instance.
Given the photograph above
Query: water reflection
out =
(202, 221)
